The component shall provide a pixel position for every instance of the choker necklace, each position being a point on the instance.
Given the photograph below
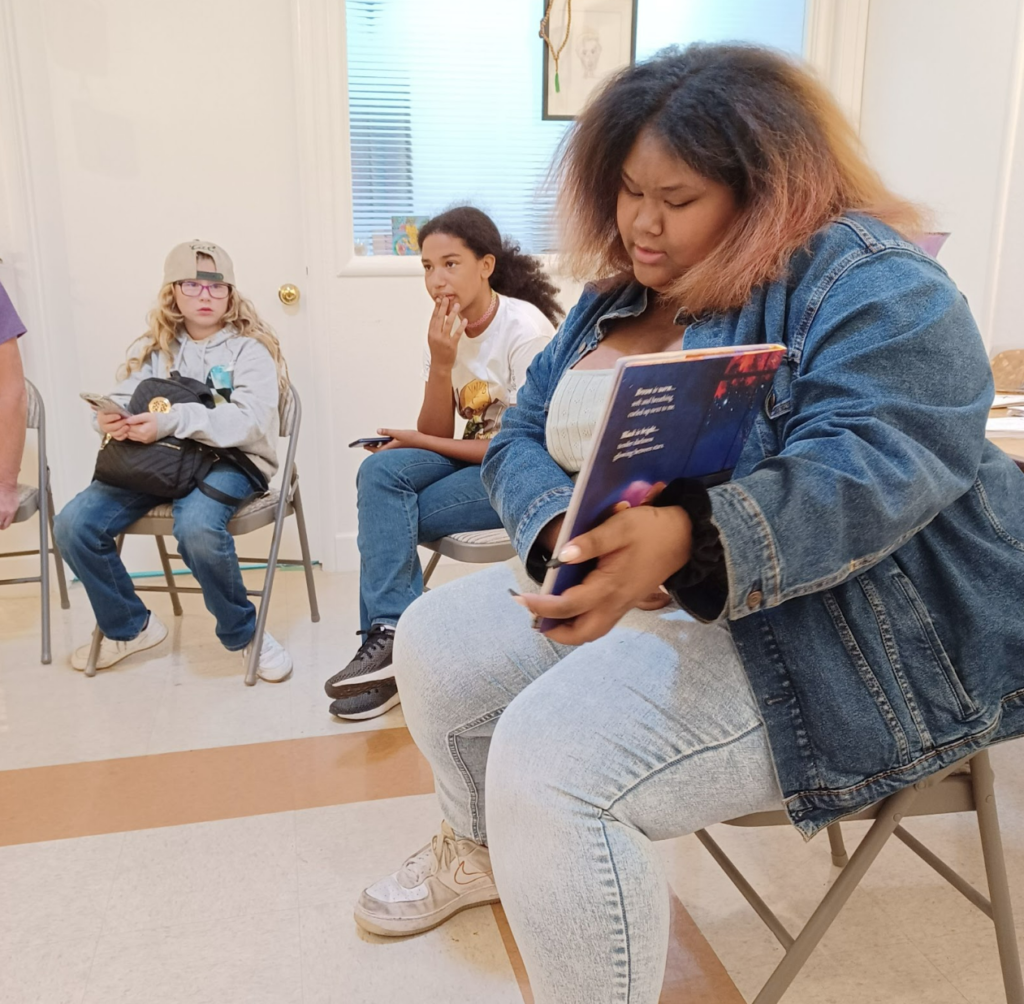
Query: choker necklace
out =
(473, 326)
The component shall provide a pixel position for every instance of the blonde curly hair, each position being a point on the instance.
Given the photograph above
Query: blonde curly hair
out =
(165, 321)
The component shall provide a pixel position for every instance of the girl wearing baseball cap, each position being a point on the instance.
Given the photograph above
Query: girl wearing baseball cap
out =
(203, 328)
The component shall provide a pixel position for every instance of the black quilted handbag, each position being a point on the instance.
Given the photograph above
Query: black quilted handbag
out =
(171, 468)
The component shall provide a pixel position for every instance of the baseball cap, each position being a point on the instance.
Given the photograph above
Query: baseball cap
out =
(182, 264)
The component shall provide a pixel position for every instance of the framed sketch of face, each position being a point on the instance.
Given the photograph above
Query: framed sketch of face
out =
(599, 41)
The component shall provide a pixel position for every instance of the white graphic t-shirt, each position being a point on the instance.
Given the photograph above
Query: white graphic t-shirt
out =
(490, 369)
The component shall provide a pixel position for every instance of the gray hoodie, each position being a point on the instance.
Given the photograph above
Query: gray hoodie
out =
(249, 421)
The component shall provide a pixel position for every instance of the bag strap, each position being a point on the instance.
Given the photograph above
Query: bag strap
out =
(218, 496)
(242, 462)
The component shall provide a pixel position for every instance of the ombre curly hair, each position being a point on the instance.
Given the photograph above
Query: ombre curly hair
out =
(165, 321)
(744, 116)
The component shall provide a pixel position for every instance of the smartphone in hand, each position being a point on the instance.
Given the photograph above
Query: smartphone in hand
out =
(371, 441)
(106, 404)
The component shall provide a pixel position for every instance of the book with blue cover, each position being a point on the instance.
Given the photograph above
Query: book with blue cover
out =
(669, 415)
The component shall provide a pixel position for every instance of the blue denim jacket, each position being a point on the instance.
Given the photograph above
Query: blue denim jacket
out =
(874, 540)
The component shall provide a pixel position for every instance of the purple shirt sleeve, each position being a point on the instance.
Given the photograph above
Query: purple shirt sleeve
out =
(10, 323)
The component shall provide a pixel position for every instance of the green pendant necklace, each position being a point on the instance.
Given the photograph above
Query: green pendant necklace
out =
(545, 23)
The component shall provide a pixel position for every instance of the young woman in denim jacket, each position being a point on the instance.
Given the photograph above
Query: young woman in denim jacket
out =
(847, 610)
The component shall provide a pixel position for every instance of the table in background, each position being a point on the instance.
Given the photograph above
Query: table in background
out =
(1014, 447)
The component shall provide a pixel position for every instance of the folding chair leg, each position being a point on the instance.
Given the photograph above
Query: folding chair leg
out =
(982, 782)
(307, 563)
(62, 584)
(835, 839)
(889, 818)
(268, 586)
(429, 570)
(94, 651)
(165, 562)
(44, 577)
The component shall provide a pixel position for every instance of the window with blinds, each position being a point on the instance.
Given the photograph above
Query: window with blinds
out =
(445, 102)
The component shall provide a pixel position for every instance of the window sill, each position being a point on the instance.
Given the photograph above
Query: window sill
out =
(383, 265)
(398, 266)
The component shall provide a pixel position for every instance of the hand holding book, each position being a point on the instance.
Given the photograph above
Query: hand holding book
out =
(635, 550)
(672, 417)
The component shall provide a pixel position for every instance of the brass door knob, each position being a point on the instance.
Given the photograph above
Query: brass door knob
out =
(288, 294)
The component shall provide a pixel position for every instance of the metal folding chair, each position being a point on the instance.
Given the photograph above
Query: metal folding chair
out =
(274, 507)
(480, 547)
(39, 499)
(968, 786)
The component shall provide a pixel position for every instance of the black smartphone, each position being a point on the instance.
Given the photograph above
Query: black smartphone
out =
(372, 441)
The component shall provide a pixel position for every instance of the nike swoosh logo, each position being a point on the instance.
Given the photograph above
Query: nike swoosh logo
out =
(470, 877)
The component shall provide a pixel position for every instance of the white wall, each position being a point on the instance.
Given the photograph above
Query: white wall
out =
(129, 128)
(1006, 323)
(938, 118)
(90, 131)
(126, 149)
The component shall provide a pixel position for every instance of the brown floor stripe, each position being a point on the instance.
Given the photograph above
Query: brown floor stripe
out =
(197, 786)
(513, 953)
(693, 973)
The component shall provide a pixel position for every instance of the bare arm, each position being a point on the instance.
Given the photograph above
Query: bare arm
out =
(437, 416)
(13, 408)
(469, 451)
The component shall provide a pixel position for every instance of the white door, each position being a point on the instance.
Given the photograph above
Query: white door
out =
(127, 127)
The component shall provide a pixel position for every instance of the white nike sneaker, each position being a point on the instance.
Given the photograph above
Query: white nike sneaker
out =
(448, 875)
(112, 651)
(275, 663)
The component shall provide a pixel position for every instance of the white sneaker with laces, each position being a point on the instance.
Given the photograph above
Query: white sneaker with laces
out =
(112, 651)
(275, 663)
(448, 875)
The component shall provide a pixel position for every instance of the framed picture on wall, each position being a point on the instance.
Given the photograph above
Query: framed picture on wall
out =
(585, 41)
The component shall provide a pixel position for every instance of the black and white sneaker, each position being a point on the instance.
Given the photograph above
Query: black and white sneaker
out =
(371, 663)
(373, 701)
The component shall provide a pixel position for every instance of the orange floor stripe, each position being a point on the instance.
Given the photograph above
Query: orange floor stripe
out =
(693, 973)
(513, 953)
(196, 786)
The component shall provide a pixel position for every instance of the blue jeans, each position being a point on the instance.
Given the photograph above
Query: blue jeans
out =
(407, 497)
(86, 530)
(569, 761)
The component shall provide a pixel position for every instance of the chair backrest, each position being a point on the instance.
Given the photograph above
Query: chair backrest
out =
(290, 410)
(36, 412)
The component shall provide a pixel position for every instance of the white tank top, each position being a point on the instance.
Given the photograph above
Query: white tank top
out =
(576, 408)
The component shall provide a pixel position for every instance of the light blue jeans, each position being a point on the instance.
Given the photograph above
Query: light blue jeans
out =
(405, 498)
(86, 530)
(569, 761)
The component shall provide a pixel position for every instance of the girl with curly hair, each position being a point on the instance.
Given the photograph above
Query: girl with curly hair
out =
(494, 310)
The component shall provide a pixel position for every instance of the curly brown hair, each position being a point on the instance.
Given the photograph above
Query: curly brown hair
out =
(515, 274)
(741, 115)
